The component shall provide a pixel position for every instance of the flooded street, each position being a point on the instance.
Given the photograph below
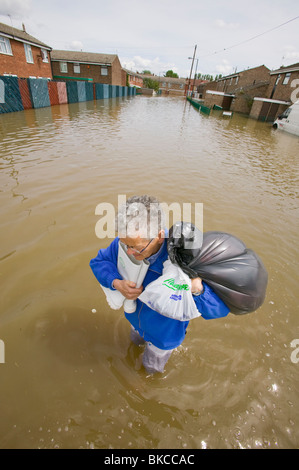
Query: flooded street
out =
(71, 378)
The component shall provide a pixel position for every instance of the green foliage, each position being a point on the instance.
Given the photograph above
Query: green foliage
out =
(150, 83)
(207, 76)
(171, 74)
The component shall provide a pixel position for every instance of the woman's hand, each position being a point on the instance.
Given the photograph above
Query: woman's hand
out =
(127, 288)
(196, 285)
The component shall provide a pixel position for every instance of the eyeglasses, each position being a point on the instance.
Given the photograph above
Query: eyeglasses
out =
(139, 251)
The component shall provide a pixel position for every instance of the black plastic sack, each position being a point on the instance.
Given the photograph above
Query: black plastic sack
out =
(235, 273)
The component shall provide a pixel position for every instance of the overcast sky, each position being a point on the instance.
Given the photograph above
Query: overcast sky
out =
(159, 35)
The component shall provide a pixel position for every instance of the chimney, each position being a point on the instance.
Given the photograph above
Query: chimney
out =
(23, 26)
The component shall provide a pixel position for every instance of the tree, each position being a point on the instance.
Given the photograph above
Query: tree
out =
(171, 73)
(150, 83)
(206, 76)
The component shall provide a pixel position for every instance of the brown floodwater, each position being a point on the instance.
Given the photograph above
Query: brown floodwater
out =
(70, 377)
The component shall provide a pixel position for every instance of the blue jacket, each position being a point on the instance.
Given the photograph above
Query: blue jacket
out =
(161, 331)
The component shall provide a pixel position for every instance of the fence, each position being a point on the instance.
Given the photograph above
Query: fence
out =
(200, 106)
(17, 94)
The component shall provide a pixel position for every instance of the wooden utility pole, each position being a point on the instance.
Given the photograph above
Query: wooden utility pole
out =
(189, 81)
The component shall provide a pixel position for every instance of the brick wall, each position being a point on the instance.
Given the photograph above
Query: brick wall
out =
(134, 80)
(86, 71)
(16, 64)
(244, 79)
(115, 75)
(244, 98)
(273, 109)
(118, 74)
(204, 87)
(172, 84)
(212, 99)
(283, 91)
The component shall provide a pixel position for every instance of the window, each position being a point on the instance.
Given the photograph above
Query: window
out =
(44, 55)
(286, 78)
(104, 70)
(63, 67)
(5, 47)
(76, 68)
(285, 114)
(28, 53)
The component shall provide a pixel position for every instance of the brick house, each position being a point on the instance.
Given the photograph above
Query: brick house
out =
(172, 86)
(219, 99)
(87, 66)
(169, 85)
(283, 90)
(22, 55)
(249, 78)
(134, 79)
(284, 83)
(266, 109)
(242, 86)
(203, 87)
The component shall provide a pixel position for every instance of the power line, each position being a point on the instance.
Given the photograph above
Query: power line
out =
(251, 39)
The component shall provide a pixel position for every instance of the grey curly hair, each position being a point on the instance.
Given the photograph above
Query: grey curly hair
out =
(141, 216)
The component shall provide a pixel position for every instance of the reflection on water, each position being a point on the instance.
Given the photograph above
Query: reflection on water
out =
(72, 379)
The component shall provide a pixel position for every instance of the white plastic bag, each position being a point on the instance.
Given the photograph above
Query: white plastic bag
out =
(170, 294)
(130, 269)
(114, 298)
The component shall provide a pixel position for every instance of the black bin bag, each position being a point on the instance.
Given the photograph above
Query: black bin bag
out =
(235, 273)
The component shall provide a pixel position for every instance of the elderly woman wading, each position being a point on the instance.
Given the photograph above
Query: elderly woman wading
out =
(141, 228)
